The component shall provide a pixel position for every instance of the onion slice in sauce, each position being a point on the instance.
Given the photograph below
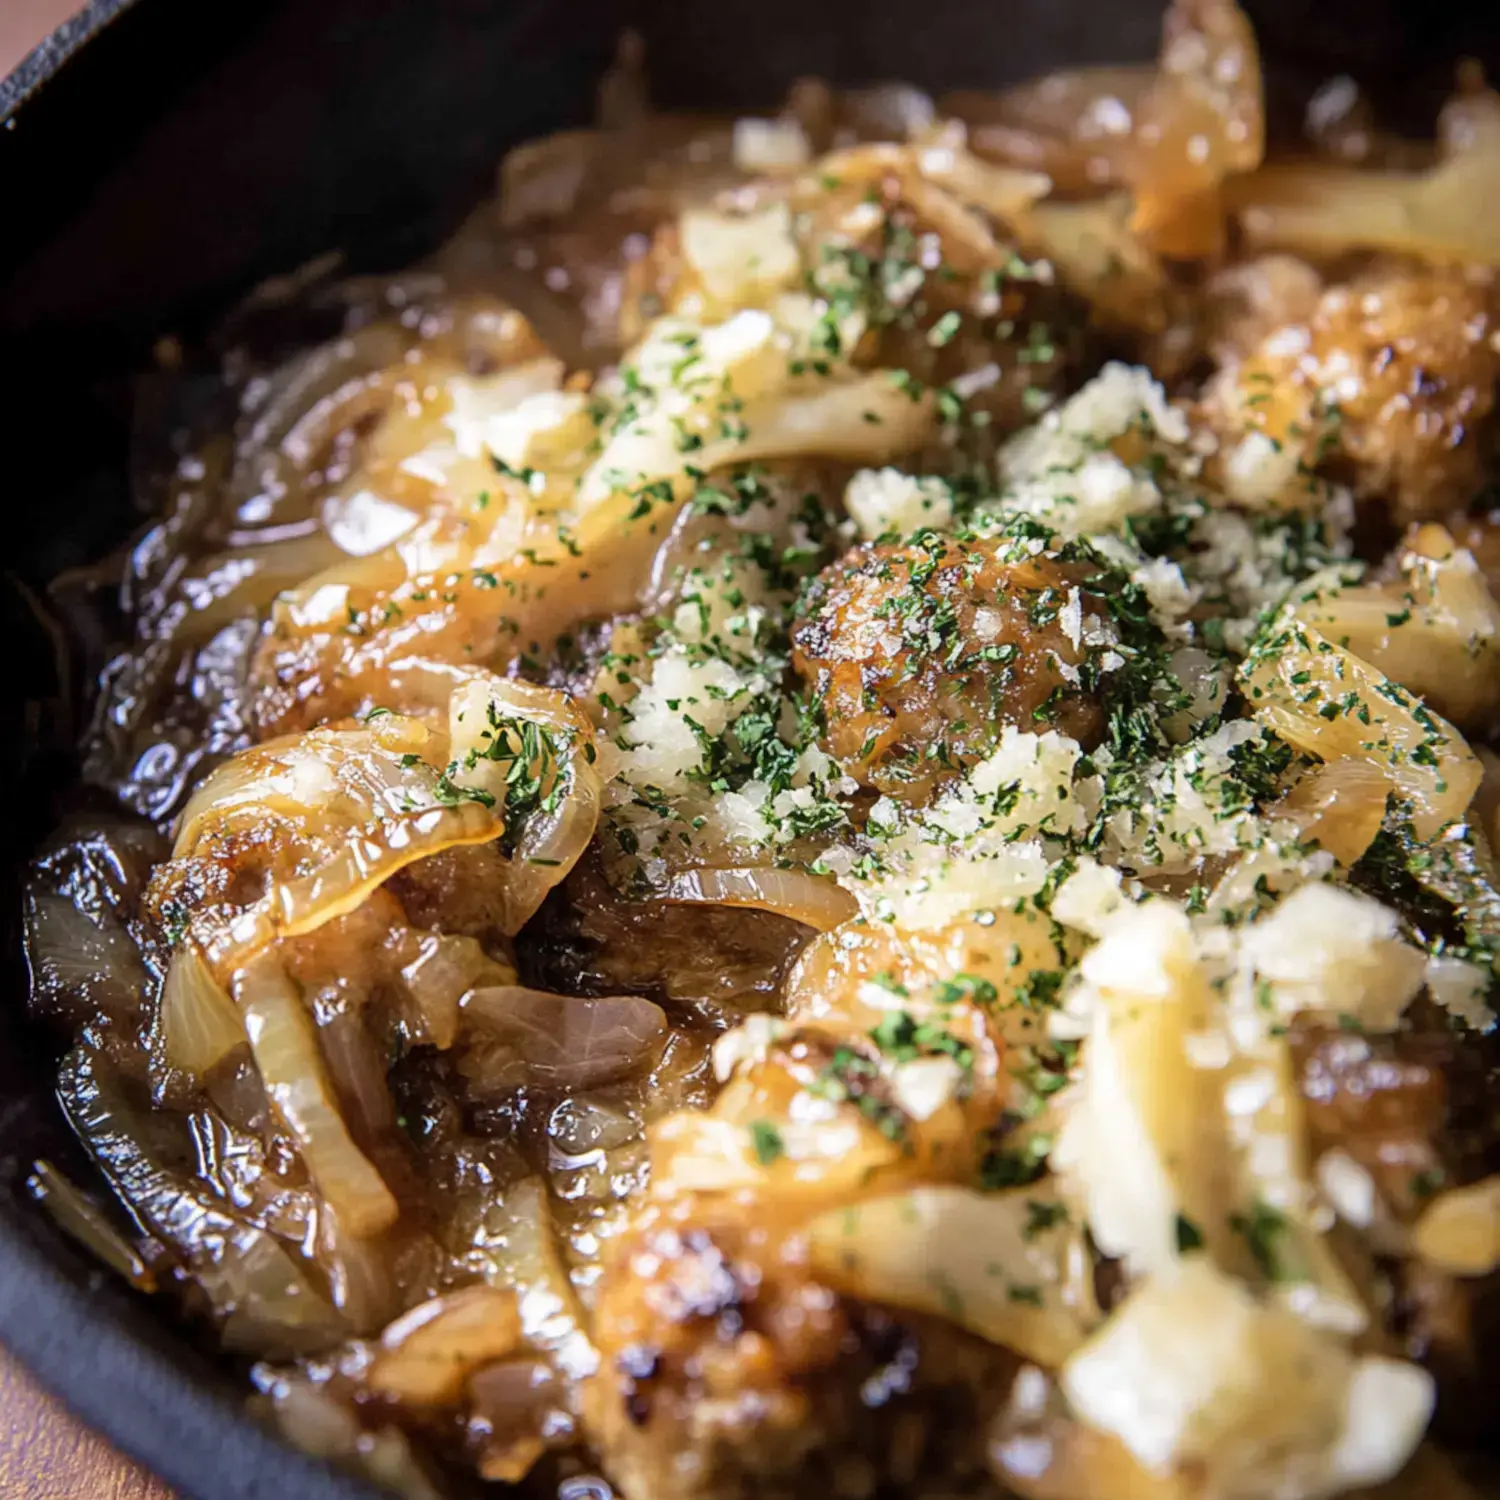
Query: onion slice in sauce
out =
(257, 1286)
(199, 1023)
(430, 1351)
(816, 901)
(978, 1259)
(285, 1046)
(531, 750)
(325, 817)
(335, 813)
(1328, 703)
(1445, 214)
(571, 1041)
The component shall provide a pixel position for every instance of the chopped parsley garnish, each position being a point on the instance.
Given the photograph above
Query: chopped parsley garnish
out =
(536, 778)
(851, 1078)
(766, 1142)
(1005, 1166)
(1189, 1236)
(1264, 1230)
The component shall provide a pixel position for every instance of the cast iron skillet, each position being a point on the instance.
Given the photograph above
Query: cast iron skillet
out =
(159, 157)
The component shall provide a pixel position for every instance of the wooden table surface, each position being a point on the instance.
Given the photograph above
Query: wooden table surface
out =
(48, 1454)
(23, 23)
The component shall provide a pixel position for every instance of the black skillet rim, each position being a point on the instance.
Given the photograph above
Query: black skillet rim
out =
(87, 1341)
(54, 50)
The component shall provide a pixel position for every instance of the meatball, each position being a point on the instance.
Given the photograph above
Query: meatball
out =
(919, 654)
(1381, 1099)
(941, 306)
(730, 1373)
(935, 293)
(1414, 418)
(1415, 1110)
(1388, 384)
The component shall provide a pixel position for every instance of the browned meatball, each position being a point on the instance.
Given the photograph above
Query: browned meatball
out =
(730, 1373)
(1388, 384)
(1381, 1099)
(1414, 422)
(940, 296)
(940, 306)
(919, 654)
(1415, 1109)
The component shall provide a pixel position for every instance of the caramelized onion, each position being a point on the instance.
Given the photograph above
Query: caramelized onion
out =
(344, 810)
(428, 1353)
(200, 1025)
(363, 1275)
(1076, 125)
(1200, 122)
(74, 1212)
(81, 893)
(1459, 1231)
(1445, 214)
(1338, 805)
(867, 419)
(305, 383)
(315, 1422)
(229, 586)
(1172, 134)
(568, 1041)
(80, 961)
(975, 1258)
(1436, 630)
(444, 968)
(816, 901)
(487, 719)
(518, 1251)
(516, 1406)
(1097, 256)
(262, 1296)
(1329, 703)
(285, 1048)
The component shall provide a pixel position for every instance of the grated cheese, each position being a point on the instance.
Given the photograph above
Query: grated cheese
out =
(1330, 949)
(551, 427)
(1192, 1372)
(741, 258)
(770, 145)
(1461, 988)
(477, 400)
(885, 500)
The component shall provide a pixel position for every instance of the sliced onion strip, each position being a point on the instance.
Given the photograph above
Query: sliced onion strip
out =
(1327, 702)
(815, 901)
(285, 1047)
(974, 1258)
(199, 1022)
(571, 1041)
(1459, 1231)
(428, 1353)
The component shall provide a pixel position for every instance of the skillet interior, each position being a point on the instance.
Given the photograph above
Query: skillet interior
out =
(161, 157)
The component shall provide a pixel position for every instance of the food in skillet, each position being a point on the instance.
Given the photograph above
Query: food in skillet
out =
(817, 817)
